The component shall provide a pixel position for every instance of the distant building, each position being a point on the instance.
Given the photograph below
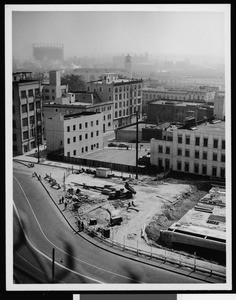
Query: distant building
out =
(176, 111)
(27, 113)
(126, 95)
(74, 134)
(198, 151)
(128, 66)
(219, 106)
(48, 51)
(54, 89)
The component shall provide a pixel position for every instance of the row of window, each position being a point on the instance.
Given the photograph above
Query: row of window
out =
(26, 134)
(203, 143)
(30, 93)
(127, 95)
(172, 97)
(127, 103)
(81, 125)
(197, 169)
(127, 112)
(127, 87)
(25, 108)
(81, 138)
(84, 149)
(205, 155)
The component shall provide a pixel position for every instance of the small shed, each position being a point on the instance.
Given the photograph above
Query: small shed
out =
(103, 172)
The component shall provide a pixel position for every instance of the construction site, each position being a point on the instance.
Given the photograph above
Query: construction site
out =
(183, 217)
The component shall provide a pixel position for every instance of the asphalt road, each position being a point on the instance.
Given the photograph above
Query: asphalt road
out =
(39, 227)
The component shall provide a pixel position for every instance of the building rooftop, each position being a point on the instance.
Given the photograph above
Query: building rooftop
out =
(144, 125)
(218, 127)
(207, 219)
(81, 114)
(178, 103)
(119, 81)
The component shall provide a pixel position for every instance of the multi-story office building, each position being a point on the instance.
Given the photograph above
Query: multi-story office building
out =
(54, 89)
(175, 111)
(74, 134)
(199, 151)
(27, 113)
(79, 102)
(198, 94)
(126, 94)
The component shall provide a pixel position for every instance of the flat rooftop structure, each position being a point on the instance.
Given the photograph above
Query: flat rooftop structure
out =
(218, 127)
(81, 114)
(143, 125)
(119, 81)
(206, 220)
(180, 104)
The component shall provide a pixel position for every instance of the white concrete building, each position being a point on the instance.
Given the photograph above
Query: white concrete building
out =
(75, 133)
(200, 151)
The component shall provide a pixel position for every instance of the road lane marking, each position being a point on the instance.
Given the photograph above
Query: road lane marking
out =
(47, 257)
(62, 249)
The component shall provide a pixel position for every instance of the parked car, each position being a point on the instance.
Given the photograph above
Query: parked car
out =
(112, 145)
(123, 145)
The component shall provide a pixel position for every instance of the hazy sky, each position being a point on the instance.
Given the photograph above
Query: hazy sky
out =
(90, 33)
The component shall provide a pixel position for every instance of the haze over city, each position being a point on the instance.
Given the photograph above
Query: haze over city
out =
(102, 33)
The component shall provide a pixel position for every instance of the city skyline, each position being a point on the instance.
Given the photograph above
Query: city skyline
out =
(110, 32)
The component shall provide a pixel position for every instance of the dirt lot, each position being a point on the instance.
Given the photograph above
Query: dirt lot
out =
(157, 204)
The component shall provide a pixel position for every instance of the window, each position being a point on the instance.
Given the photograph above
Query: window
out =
(30, 93)
(196, 154)
(68, 154)
(120, 96)
(100, 89)
(222, 172)
(120, 112)
(80, 137)
(97, 122)
(116, 97)
(80, 126)
(74, 139)
(104, 118)
(204, 169)
(68, 141)
(25, 135)
(214, 171)
(23, 94)
(223, 144)
(25, 122)
(91, 123)
(187, 140)
(97, 145)
(82, 149)
(86, 149)
(180, 139)
(159, 162)
(197, 141)
(86, 136)
(169, 138)
(167, 150)
(97, 132)
(204, 155)
(91, 147)
(38, 104)
(31, 119)
(186, 167)
(116, 105)
(32, 132)
(91, 134)
(86, 124)
(214, 156)
(24, 108)
(74, 127)
(179, 152)
(160, 149)
(68, 128)
(74, 152)
(215, 143)
(196, 168)
(222, 158)
(179, 165)
(46, 90)
(187, 152)
(205, 142)
(31, 106)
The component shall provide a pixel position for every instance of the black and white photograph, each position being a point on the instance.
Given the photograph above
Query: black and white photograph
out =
(118, 147)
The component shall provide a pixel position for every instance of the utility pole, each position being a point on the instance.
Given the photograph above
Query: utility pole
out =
(53, 264)
(38, 140)
(137, 144)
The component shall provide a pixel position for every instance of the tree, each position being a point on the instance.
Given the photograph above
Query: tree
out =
(74, 82)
